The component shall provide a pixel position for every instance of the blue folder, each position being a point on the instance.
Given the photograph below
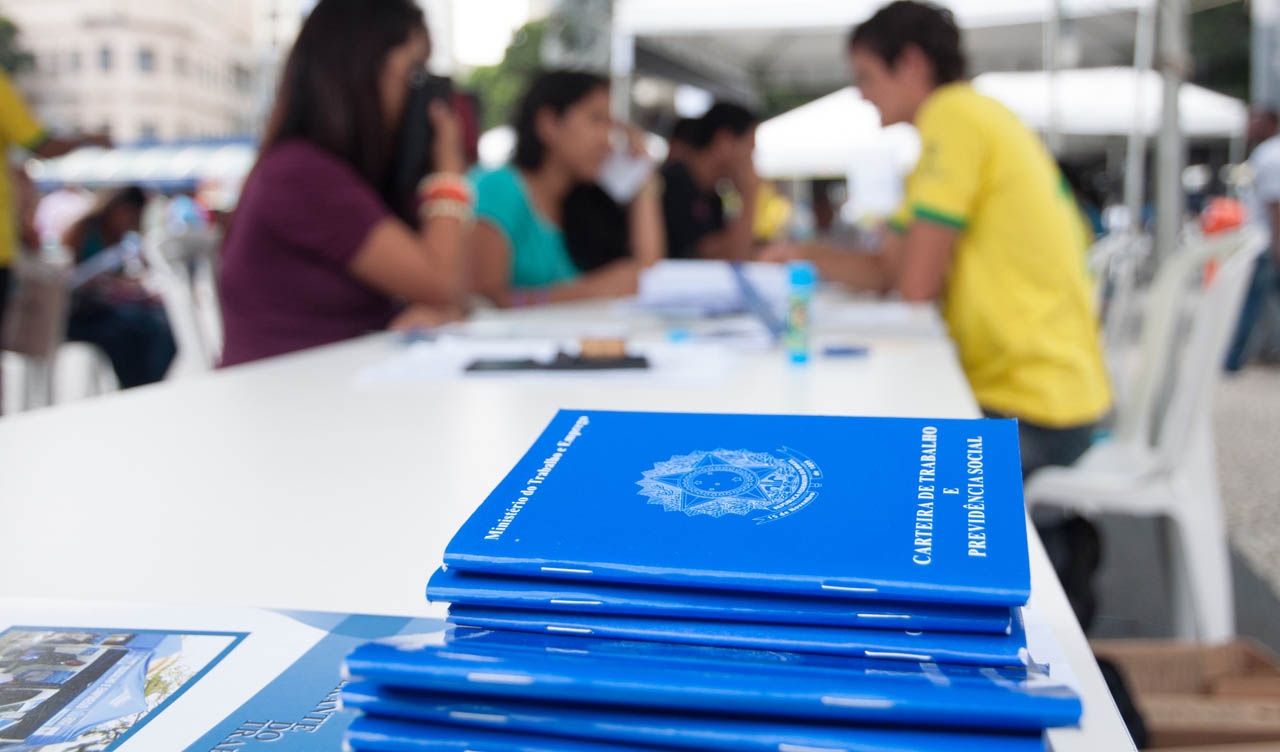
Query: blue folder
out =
(891, 509)
(531, 720)
(895, 693)
(927, 647)
(469, 589)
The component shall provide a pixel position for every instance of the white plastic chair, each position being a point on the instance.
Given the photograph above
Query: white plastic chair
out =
(170, 257)
(1114, 261)
(1160, 460)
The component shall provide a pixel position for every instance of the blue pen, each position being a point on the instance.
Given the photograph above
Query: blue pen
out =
(846, 351)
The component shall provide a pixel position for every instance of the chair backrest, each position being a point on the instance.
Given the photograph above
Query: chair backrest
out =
(1173, 388)
(1204, 356)
(1114, 263)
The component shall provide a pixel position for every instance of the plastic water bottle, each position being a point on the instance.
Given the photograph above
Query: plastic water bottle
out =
(804, 279)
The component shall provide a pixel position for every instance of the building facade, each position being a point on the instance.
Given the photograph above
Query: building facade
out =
(144, 70)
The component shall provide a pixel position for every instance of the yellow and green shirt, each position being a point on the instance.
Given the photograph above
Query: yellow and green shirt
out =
(1017, 299)
(17, 128)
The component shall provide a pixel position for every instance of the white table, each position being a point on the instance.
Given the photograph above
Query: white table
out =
(279, 484)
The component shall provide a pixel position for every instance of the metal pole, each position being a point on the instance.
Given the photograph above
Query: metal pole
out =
(1051, 42)
(1135, 173)
(1174, 62)
(1265, 53)
(622, 63)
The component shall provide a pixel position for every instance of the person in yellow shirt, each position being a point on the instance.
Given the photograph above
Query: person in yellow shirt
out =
(19, 128)
(989, 229)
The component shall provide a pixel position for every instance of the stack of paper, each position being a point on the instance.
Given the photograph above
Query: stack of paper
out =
(730, 582)
(696, 287)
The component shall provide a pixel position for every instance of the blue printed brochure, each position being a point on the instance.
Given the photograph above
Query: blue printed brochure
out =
(723, 681)
(435, 717)
(928, 647)
(885, 508)
(101, 677)
(469, 589)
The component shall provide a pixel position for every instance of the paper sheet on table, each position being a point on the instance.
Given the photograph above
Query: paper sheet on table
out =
(1045, 648)
(878, 317)
(709, 288)
(678, 364)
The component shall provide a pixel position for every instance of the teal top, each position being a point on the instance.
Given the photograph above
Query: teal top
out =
(539, 257)
(93, 243)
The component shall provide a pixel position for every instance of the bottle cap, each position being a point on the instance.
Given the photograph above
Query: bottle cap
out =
(803, 273)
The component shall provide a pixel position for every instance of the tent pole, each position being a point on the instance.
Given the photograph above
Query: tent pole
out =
(1265, 61)
(1135, 173)
(1051, 42)
(1174, 62)
(622, 64)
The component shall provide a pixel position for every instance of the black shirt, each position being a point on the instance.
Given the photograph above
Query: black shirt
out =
(690, 212)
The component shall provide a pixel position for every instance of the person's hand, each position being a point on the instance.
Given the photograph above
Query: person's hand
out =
(101, 140)
(448, 139)
(616, 280)
(781, 253)
(636, 139)
(418, 317)
(744, 175)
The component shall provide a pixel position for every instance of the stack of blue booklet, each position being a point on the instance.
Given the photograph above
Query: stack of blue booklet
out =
(729, 582)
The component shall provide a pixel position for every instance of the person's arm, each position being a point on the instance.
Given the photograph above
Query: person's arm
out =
(1273, 220)
(913, 264)
(736, 242)
(490, 255)
(427, 266)
(19, 126)
(648, 240)
(55, 146)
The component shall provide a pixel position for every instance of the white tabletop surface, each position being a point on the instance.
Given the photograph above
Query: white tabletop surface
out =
(282, 484)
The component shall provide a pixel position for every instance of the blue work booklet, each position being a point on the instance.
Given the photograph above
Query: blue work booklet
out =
(470, 589)
(381, 735)
(446, 713)
(891, 509)
(895, 693)
(928, 647)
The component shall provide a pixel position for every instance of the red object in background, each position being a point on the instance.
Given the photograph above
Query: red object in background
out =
(1220, 215)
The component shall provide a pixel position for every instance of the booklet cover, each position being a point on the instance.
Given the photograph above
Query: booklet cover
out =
(884, 508)
(896, 693)
(96, 677)
(670, 652)
(470, 589)
(679, 730)
(382, 735)
(920, 647)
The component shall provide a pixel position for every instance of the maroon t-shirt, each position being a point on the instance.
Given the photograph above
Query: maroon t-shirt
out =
(285, 282)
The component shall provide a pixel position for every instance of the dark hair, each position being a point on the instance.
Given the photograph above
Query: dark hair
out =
(683, 130)
(927, 26)
(723, 116)
(131, 196)
(557, 90)
(329, 92)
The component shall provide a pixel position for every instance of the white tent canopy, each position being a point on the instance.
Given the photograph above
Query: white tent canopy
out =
(1106, 101)
(824, 138)
(800, 43)
(159, 165)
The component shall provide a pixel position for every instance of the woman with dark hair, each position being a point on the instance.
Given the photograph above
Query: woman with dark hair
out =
(114, 312)
(525, 210)
(316, 252)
